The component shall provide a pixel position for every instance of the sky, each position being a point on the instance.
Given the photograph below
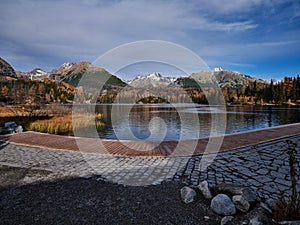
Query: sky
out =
(255, 37)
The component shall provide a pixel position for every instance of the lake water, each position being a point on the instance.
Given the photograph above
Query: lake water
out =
(173, 122)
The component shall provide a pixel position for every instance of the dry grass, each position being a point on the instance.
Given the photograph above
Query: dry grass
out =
(52, 119)
(6, 112)
(63, 125)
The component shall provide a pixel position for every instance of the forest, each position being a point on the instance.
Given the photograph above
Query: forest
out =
(22, 91)
(28, 92)
(286, 91)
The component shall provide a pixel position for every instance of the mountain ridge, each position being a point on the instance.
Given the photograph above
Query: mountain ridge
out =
(37, 86)
(71, 73)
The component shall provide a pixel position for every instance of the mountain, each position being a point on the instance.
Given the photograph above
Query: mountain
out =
(61, 84)
(72, 73)
(152, 80)
(31, 87)
(67, 72)
(36, 74)
(234, 79)
(223, 78)
(6, 69)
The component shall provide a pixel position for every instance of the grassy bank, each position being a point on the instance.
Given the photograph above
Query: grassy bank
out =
(52, 120)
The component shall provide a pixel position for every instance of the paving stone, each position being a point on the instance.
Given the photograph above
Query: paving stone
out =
(254, 183)
(263, 179)
(278, 175)
(283, 182)
(263, 171)
(269, 173)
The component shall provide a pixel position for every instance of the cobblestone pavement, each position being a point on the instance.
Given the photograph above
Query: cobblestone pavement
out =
(263, 167)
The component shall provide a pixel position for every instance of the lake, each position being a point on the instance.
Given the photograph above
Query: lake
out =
(161, 122)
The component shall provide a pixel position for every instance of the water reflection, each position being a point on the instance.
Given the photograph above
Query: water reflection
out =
(156, 122)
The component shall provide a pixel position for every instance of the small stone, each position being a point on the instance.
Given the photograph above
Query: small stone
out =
(241, 203)
(245, 222)
(203, 187)
(206, 218)
(288, 222)
(255, 221)
(226, 219)
(187, 194)
(19, 129)
(222, 205)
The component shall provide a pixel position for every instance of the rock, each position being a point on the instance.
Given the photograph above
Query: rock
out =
(11, 127)
(240, 203)
(226, 219)
(5, 130)
(233, 189)
(203, 187)
(19, 129)
(289, 222)
(245, 222)
(206, 218)
(222, 204)
(255, 221)
(187, 194)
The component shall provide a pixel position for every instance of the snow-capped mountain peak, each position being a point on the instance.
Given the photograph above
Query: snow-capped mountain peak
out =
(218, 69)
(63, 67)
(155, 76)
(67, 65)
(35, 74)
(38, 72)
(151, 80)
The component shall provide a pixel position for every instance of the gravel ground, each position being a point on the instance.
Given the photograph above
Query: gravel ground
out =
(92, 201)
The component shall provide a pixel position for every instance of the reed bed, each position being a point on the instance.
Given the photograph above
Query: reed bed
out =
(52, 120)
(64, 125)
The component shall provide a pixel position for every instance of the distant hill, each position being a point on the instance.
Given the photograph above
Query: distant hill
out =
(6, 69)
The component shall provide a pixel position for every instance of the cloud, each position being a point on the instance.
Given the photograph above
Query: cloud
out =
(274, 44)
(86, 29)
(47, 33)
(53, 22)
(236, 6)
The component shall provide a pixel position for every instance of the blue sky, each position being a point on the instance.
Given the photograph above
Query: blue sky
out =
(255, 37)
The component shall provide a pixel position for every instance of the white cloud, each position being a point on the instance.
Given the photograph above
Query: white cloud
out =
(274, 44)
(65, 29)
(236, 6)
(51, 31)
